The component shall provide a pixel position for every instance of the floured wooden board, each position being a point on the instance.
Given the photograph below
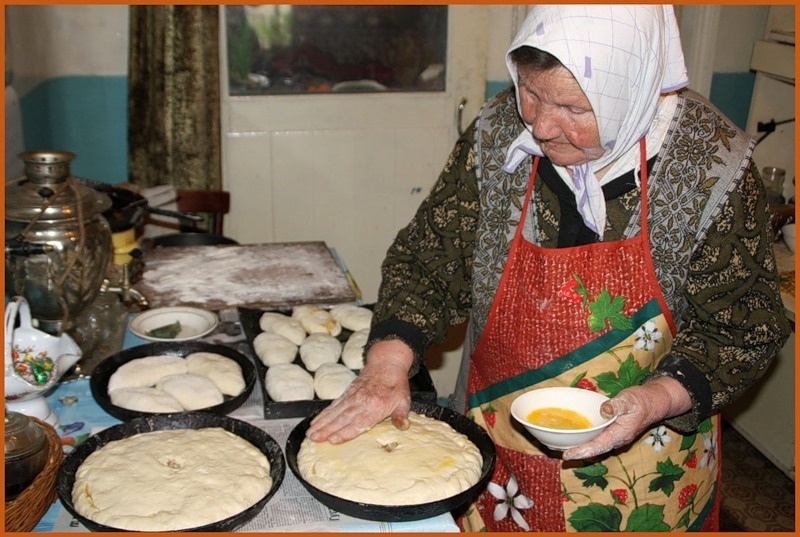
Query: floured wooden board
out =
(249, 275)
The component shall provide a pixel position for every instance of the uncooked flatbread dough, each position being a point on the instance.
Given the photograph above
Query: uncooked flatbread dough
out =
(320, 349)
(192, 391)
(272, 349)
(352, 317)
(331, 380)
(268, 318)
(143, 372)
(289, 382)
(223, 371)
(320, 322)
(184, 479)
(386, 466)
(145, 399)
(353, 351)
(291, 329)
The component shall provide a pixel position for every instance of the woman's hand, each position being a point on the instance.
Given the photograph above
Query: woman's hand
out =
(636, 408)
(380, 390)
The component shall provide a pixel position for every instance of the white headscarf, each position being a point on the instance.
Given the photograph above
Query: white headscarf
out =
(623, 57)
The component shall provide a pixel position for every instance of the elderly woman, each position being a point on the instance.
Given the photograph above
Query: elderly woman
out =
(599, 226)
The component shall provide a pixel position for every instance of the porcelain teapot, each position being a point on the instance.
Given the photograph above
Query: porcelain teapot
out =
(34, 361)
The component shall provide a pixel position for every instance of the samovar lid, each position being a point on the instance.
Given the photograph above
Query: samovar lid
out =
(48, 184)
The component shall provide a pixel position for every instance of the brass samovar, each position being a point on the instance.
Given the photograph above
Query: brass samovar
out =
(58, 244)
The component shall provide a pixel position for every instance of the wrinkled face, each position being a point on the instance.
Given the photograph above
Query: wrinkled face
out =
(563, 122)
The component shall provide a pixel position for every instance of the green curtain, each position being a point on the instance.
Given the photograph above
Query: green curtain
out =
(173, 97)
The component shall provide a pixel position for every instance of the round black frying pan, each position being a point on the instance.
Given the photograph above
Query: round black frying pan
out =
(402, 513)
(191, 420)
(98, 382)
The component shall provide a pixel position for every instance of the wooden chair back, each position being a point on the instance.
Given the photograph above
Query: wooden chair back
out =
(213, 203)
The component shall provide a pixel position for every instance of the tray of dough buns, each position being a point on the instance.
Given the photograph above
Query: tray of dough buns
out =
(308, 354)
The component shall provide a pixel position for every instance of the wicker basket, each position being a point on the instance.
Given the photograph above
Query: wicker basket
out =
(29, 507)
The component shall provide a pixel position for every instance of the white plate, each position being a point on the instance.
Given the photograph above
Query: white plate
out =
(195, 322)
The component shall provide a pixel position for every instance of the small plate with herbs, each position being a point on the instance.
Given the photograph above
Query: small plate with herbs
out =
(176, 323)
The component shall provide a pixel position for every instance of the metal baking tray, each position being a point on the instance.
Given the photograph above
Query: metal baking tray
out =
(422, 388)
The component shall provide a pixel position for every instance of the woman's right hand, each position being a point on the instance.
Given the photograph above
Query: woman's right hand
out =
(381, 390)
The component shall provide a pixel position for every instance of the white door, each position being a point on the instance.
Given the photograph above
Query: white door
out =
(347, 169)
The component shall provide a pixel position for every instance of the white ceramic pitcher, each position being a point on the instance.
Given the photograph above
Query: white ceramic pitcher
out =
(34, 362)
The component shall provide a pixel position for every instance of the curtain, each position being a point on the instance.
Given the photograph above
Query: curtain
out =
(173, 97)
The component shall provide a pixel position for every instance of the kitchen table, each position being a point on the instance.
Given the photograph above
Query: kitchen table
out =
(291, 509)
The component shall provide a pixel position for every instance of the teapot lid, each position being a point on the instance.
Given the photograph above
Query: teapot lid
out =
(48, 184)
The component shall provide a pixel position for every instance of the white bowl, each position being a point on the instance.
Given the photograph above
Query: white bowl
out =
(787, 232)
(195, 322)
(584, 402)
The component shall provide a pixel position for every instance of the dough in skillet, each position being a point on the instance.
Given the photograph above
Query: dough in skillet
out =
(320, 349)
(192, 391)
(146, 371)
(223, 371)
(331, 380)
(289, 382)
(185, 478)
(145, 399)
(429, 461)
(353, 351)
(352, 317)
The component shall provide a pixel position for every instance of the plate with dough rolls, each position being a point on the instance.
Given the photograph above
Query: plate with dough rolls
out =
(378, 475)
(307, 354)
(168, 378)
(194, 471)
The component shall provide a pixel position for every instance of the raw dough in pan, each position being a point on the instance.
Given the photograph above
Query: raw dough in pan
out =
(320, 349)
(331, 380)
(142, 372)
(192, 391)
(273, 349)
(353, 351)
(145, 400)
(224, 372)
(289, 382)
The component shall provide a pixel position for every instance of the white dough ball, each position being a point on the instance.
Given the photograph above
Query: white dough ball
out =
(321, 322)
(353, 351)
(320, 349)
(291, 329)
(272, 349)
(289, 382)
(298, 312)
(331, 380)
(352, 317)
(268, 318)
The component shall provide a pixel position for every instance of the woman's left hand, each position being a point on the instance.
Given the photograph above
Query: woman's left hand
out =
(636, 408)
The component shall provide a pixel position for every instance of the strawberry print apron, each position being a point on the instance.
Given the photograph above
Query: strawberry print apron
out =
(594, 317)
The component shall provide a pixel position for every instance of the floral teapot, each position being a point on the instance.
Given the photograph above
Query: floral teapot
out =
(34, 362)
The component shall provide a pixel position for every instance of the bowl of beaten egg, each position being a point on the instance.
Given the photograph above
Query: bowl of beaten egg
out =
(561, 417)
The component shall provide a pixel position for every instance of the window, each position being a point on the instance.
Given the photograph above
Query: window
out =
(299, 49)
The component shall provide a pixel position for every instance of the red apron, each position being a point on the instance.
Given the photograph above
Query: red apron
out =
(590, 316)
